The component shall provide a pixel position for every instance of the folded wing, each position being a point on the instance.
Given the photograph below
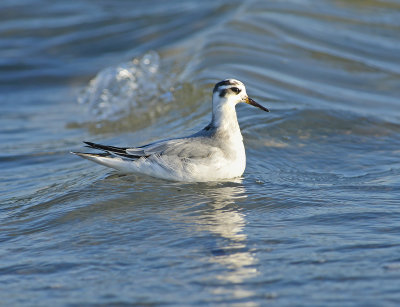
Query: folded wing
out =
(125, 152)
(183, 148)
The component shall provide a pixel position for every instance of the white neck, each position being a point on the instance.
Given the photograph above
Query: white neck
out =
(224, 117)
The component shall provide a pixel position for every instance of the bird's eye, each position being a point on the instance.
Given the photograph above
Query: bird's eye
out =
(235, 90)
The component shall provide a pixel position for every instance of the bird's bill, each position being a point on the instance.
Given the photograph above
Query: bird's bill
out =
(253, 103)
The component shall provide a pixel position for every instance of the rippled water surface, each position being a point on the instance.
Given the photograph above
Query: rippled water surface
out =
(315, 219)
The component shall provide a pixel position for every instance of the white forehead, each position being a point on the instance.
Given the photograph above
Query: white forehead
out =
(234, 81)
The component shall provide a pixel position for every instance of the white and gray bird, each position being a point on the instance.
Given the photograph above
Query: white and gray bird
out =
(214, 153)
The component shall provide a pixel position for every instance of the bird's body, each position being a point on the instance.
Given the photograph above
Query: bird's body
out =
(214, 153)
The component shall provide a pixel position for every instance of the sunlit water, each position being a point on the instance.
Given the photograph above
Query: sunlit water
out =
(315, 219)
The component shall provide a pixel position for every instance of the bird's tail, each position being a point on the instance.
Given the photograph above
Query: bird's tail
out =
(105, 159)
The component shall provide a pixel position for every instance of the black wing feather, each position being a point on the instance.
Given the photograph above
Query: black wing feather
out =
(120, 151)
(107, 148)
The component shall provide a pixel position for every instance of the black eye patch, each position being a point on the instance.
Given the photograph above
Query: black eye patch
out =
(222, 93)
(235, 90)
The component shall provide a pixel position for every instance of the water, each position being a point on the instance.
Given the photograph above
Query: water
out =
(315, 220)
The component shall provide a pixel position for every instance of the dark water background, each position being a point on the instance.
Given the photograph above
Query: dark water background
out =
(315, 220)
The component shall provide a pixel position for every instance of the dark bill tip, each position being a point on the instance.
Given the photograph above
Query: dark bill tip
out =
(253, 103)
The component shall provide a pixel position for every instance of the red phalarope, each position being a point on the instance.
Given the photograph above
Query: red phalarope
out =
(214, 153)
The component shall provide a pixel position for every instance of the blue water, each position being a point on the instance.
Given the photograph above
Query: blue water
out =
(315, 219)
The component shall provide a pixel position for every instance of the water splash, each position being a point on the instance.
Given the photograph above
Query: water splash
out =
(131, 85)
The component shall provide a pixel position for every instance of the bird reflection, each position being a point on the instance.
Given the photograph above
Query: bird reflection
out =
(222, 217)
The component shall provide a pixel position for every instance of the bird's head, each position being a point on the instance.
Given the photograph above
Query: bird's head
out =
(233, 91)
